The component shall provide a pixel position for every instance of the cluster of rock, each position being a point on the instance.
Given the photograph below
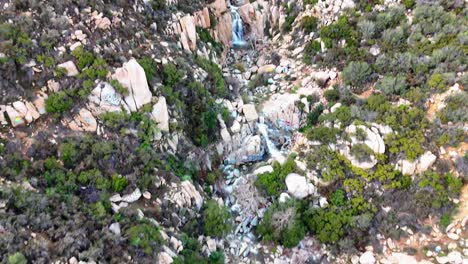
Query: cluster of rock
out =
(443, 247)
(23, 112)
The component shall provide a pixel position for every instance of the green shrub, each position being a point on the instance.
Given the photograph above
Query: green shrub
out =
(409, 3)
(333, 33)
(216, 76)
(311, 49)
(282, 224)
(328, 224)
(158, 4)
(17, 258)
(456, 109)
(291, 16)
(392, 85)
(327, 162)
(309, 24)
(69, 153)
(310, 2)
(98, 210)
(171, 75)
(215, 219)
(59, 181)
(150, 67)
(332, 95)
(273, 183)
(206, 37)
(323, 134)
(313, 116)
(445, 220)
(119, 183)
(97, 70)
(119, 87)
(438, 187)
(217, 257)
(84, 58)
(338, 198)
(357, 74)
(58, 103)
(144, 236)
(367, 29)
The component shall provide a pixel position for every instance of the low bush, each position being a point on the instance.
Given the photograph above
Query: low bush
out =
(58, 103)
(309, 24)
(357, 74)
(393, 85)
(310, 50)
(119, 183)
(17, 258)
(218, 88)
(456, 109)
(150, 67)
(144, 236)
(171, 75)
(84, 58)
(215, 219)
(282, 224)
(273, 183)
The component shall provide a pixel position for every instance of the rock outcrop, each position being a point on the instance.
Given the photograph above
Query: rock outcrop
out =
(160, 114)
(133, 78)
(417, 166)
(104, 99)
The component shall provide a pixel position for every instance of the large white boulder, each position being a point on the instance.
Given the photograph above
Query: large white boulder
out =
(250, 112)
(160, 114)
(419, 165)
(298, 187)
(132, 76)
(367, 258)
(425, 161)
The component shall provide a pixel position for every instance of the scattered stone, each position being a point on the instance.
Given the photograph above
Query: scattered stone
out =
(266, 69)
(147, 195)
(133, 197)
(284, 197)
(70, 67)
(367, 258)
(115, 228)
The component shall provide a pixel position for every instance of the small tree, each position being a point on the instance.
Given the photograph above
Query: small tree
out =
(215, 219)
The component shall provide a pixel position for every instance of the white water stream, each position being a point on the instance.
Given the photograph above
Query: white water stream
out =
(274, 152)
(237, 28)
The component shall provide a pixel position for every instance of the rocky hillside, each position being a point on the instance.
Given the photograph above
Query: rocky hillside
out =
(200, 131)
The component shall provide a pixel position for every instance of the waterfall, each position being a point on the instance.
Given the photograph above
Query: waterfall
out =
(274, 152)
(237, 28)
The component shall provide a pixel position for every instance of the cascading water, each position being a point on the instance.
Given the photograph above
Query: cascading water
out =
(274, 152)
(237, 28)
